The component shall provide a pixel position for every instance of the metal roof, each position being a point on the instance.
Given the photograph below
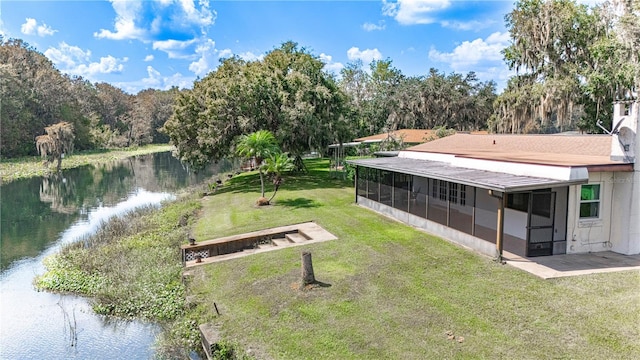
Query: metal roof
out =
(479, 178)
(349, 144)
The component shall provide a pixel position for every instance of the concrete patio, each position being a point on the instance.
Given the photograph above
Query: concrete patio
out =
(549, 267)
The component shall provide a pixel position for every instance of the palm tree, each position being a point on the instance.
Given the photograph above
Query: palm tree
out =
(258, 146)
(275, 165)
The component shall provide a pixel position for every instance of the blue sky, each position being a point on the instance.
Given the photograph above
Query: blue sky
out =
(158, 44)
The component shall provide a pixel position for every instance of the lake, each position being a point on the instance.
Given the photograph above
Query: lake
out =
(38, 216)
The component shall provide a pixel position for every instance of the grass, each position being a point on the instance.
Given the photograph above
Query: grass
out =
(395, 292)
(391, 291)
(132, 268)
(25, 167)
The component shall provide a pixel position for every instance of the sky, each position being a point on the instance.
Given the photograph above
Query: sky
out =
(136, 45)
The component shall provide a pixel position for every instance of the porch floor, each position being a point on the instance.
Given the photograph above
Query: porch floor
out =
(548, 267)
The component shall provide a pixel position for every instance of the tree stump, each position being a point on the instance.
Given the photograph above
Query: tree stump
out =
(307, 269)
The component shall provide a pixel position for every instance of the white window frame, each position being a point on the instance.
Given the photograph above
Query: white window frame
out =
(598, 201)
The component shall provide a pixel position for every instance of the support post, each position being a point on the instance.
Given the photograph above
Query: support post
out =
(500, 227)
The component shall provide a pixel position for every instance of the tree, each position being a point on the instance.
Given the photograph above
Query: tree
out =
(57, 142)
(256, 147)
(572, 62)
(307, 106)
(286, 93)
(114, 110)
(454, 101)
(34, 95)
(355, 83)
(275, 166)
(150, 110)
(385, 80)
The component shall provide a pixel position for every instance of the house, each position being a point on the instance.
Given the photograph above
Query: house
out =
(530, 195)
(388, 140)
(402, 136)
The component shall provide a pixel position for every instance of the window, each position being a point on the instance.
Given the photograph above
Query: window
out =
(457, 193)
(518, 201)
(443, 190)
(590, 201)
(453, 193)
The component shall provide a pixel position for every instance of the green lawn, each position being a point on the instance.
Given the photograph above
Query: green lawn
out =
(395, 292)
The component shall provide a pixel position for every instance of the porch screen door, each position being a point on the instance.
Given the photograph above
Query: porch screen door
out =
(541, 223)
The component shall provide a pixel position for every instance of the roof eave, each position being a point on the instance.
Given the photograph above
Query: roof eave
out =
(623, 167)
(544, 184)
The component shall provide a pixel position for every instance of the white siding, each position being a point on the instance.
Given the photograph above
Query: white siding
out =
(590, 235)
(625, 218)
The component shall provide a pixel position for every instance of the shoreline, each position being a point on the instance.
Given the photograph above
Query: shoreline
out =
(32, 166)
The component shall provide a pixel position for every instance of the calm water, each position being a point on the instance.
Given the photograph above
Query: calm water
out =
(40, 215)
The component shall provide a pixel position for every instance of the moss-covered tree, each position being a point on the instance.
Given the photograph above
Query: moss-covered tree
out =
(57, 142)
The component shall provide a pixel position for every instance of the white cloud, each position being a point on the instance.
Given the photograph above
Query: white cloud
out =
(334, 68)
(410, 49)
(325, 58)
(67, 56)
(367, 55)
(373, 27)
(159, 20)
(177, 27)
(470, 53)
(329, 65)
(467, 25)
(125, 23)
(156, 80)
(203, 17)
(249, 56)
(225, 53)
(483, 56)
(31, 27)
(107, 65)
(177, 49)
(148, 58)
(207, 58)
(412, 12)
(75, 61)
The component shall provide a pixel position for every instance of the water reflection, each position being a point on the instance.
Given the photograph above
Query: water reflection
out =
(35, 211)
(64, 326)
(40, 215)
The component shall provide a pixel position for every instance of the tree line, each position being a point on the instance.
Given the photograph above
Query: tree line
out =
(571, 61)
(290, 95)
(36, 95)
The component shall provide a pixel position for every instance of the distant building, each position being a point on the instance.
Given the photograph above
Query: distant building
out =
(403, 136)
(531, 195)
